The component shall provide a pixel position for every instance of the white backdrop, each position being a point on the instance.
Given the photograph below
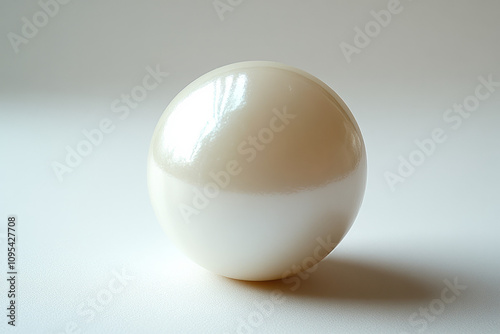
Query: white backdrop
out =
(421, 77)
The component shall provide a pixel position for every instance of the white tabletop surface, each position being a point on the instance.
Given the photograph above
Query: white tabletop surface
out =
(91, 256)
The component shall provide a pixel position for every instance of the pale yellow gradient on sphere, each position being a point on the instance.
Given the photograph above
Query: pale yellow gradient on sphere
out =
(255, 165)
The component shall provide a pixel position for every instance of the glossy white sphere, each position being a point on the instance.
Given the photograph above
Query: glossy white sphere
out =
(256, 170)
